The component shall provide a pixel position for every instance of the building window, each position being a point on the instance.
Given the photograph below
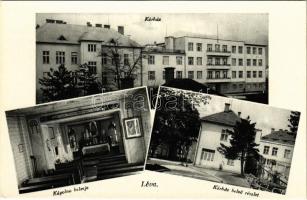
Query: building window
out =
(254, 74)
(46, 57)
(179, 74)
(104, 59)
(225, 74)
(217, 61)
(234, 62)
(199, 74)
(240, 86)
(151, 60)
(260, 74)
(92, 67)
(224, 61)
(240, 49)
(210, 75)
(248, 75)
(224, 48)
(260, 85)
(254, 62)
(199, 61)
(207, 154)
(233, 49)
(165, 60)
(248, 85)
(191, 60)
(248, 50)
(240, 74)
(179, 60)
(217, 47)
(151, 75)
(60, 57)
(217, 74)
(260, 62)
(199, 46)
(260, 51)
(240, 62)
(224, 135)
(74, 58)
(126, 59)
(274, 151)
(287, 154)
(230, 162)
(163, 75)
(91, 47)
(209, 47)
(115, 59)
(209, 61)
(190, 46)
(191, 74)
(266, 150)
(248, 62)
(234, 74)
(254, 50)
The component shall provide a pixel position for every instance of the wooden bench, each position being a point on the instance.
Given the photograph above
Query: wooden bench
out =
(47, 182)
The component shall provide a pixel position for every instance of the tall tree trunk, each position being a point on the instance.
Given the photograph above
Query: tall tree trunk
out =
(172, 154)
(242, 163)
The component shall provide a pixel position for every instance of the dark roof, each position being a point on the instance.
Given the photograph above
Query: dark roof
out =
(280, 136)
(228, 118)
(190, 84)
(73, 34)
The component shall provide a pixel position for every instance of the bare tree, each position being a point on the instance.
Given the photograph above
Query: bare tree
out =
(121, 64)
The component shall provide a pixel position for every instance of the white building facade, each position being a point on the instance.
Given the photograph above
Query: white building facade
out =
(74, 45)
(213, 133)
(225, 65)
(277, 150)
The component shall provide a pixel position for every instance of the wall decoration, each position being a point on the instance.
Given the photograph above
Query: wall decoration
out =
(132, 127)
(20, 148)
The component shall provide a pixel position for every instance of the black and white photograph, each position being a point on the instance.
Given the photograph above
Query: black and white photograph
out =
(223, 140)
(80, 54)
(80, 140)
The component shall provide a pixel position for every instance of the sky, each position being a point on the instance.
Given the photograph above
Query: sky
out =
(244, 27)
(266, 117)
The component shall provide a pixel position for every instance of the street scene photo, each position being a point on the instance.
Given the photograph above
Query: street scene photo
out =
(80, 140)
(223, 140)
(80, 54)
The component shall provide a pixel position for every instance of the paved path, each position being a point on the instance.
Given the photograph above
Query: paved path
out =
(177, 168)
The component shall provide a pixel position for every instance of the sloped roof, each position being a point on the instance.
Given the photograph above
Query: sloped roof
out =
(228, 118)
(50, 32)
(190, 84)
(280, 136)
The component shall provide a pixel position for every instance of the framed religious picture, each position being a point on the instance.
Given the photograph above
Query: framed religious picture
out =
(132, 127)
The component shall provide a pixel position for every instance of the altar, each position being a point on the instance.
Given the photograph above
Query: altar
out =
(99, 148)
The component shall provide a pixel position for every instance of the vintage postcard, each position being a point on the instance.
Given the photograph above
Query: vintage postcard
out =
(81, 54)
(222, 140)
(80, 140)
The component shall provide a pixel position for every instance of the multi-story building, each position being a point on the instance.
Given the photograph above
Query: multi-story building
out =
(73, 45)
(157, 59)
(277, 149)
(229, 67)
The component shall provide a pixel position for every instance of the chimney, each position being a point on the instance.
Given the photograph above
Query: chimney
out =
(169, 74)
(169, 43)
(227, 107)
(106, 26)
(88, 24)
(239, 114)
(120, 29)
(98, 25)
(272, 129)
